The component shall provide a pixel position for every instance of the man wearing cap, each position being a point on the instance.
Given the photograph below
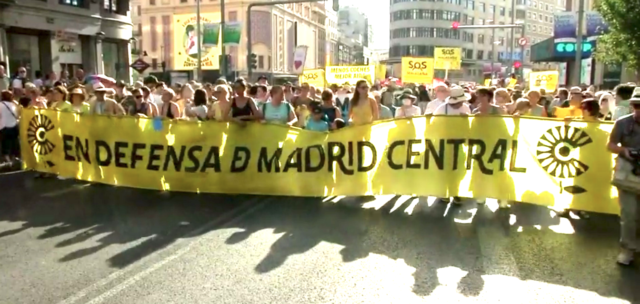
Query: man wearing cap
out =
(624, 92)
(625, 136)
(455, 103)
(442, 93)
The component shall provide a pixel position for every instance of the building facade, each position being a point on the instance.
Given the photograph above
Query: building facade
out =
(418, 27)
(56, 35)
(537, 16)
(276, 31)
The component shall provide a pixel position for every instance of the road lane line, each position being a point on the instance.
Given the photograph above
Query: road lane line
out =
(13, 172)
(228, 218)
(65, 190)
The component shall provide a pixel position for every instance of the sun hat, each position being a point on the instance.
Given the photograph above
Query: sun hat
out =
(457, 95)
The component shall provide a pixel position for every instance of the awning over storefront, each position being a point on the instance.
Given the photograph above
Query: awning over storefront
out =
(550, 51)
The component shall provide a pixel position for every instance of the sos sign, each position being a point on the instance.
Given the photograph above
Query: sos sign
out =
(448, 52)
(417, 65)
(311, 76)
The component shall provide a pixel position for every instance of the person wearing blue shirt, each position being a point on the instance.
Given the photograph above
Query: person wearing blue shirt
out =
(316, 121)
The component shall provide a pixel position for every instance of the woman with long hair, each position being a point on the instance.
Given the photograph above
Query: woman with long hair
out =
(199, 108)
(363, 109)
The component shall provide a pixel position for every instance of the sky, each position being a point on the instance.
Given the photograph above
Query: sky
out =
(378, 11)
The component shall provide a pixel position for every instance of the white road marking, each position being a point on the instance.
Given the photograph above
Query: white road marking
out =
(65, 190)
(229, 217)
(13, 172)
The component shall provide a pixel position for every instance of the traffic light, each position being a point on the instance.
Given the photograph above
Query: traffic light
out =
(336, 5)
(253, 61)
(517, 64)
(455, 25)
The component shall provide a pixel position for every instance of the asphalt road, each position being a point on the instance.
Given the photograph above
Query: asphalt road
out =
(69, 242)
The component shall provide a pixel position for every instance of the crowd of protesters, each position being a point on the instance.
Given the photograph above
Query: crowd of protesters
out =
(319, 109)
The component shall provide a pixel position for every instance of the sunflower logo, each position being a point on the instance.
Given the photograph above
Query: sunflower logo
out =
(558, 151)
(39, 126)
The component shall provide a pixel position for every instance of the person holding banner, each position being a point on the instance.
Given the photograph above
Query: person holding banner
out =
(329, 108)
(242, 108)
(364, 109)
(534, 108)
(277, 110)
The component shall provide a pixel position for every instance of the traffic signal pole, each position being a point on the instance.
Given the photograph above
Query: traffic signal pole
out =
(270, 3)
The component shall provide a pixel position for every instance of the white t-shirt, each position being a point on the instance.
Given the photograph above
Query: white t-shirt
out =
(8, 114)
(17, 83)
(447, 109)
(432, 106)
(408, 112)
(200, 111)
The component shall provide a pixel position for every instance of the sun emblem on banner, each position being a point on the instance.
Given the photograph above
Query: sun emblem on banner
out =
(39, 126)
(558, 151)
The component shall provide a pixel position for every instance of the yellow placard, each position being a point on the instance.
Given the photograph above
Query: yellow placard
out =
(447, 58)
(381, 71)
(185, 50)
(417, 70)
(314, 78)
(350, 74)
(512, 83)
(541, 161)
(547, 80)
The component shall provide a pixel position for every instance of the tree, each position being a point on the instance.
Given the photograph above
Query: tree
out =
(622, 43)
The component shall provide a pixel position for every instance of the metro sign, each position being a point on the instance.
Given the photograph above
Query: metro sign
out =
(140, 65)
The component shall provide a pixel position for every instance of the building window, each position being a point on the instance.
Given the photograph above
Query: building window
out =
(78, 3)
(139, 9)
(152, 2)
(139, 29)
(503, 11)
(110, 5)
(480, 55)
(261, 62)
(153, 33)
(492, 8)
(481, 6)
(233, 16)
(480, 38)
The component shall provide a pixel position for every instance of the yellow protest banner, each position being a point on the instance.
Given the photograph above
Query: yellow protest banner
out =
(547, 80)
(417, 69)
(350, 74)
(447, 58)
(314, 78)
(541, 161)
(185, 41)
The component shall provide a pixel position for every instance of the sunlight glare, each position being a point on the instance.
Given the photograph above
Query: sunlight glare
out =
(380, 201)
(512, 219)
(564, 227)
(400, 202)
(470, 219)
(412, 205)
(223, 142)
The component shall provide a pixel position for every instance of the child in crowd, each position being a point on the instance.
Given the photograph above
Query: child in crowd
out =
(316, 121)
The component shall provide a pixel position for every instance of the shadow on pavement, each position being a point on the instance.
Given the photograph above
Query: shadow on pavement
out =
(79, 212)
(470, 237)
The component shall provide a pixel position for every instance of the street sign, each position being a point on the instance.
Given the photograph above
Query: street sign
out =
(140, 65)
(522, 41)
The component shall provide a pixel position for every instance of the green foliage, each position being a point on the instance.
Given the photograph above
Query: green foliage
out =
(622, 43)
